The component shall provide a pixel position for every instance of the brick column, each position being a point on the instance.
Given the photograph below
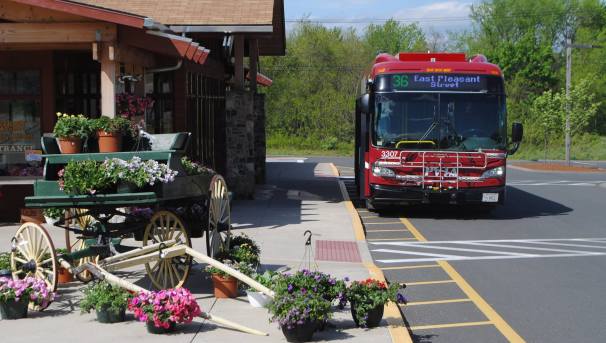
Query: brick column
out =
(260, 143)
(240, 143)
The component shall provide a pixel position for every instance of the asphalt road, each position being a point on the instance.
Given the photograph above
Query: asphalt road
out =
(532, 269)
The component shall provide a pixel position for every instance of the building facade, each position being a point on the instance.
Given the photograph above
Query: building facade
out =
(172, 66)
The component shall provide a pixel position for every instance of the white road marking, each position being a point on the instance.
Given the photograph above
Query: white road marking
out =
(583, 183)
(411, 248)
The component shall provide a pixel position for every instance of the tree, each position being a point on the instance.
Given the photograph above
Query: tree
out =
(393, 37)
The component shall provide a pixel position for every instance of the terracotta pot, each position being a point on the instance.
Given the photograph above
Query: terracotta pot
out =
(64, 276)
(109, 141)
(70, 145)
(225, 287)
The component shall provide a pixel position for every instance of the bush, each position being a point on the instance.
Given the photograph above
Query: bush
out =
(103, 296)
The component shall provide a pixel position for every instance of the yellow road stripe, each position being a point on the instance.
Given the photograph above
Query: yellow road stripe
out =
(451, 325)
(413, 230)
(419, 283)
(355, 219)
(381, 223)
(435, 302)
(488, 311)
(412, 267)
(390, 239)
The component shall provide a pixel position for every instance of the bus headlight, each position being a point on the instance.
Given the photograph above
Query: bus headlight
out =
(494, 173)
(382, 172)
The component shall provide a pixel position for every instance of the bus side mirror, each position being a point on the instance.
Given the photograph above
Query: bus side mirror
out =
(517, 131)
(364, 103)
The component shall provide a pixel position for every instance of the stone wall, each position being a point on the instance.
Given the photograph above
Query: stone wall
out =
(240, 143)
(260, 143)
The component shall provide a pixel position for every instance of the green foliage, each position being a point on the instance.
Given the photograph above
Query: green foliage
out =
(193, 168)
(84, 177)
(5, 261)
(53, 212)
(72, 126)
(103, 296)
(112, 125)
(243, 254)
(393, 37)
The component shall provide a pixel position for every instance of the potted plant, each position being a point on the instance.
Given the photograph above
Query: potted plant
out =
(298, 313)
(53, 214)
(367, 299)
(109, 302)
(162, 310)
(15, 296)
(244, 249)
(70, 131)
(5, 265)
(194, 168)
(110, 132)
(224, 285)
(63, 275)
(256, 298)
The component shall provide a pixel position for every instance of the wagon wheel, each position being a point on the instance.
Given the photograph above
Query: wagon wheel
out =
(219, 223)
(168, 272)
(83, 221)
(34, 255)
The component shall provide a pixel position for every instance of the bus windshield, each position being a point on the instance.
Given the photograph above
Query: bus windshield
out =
(446, 121)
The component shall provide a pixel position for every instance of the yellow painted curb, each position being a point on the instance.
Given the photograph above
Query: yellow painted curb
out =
(335, 171)
(391, 314)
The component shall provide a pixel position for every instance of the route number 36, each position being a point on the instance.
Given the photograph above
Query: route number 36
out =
(399, 81)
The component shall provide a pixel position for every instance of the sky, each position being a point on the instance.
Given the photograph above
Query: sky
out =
(438, 15)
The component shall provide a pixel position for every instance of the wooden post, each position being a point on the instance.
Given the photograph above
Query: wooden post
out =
(239, 62)
(108, 83)
(253, 54)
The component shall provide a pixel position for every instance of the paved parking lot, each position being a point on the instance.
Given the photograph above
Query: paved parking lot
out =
(529, 271)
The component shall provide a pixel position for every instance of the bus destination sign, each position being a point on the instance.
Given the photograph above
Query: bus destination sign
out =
(435, 82)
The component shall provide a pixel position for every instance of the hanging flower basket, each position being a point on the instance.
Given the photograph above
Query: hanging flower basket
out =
(14, 309)
(300, 332)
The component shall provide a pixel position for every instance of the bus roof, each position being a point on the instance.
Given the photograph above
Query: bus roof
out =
(456, 63)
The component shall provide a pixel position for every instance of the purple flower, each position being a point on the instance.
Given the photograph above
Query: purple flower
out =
(290, 288)
(401, 299)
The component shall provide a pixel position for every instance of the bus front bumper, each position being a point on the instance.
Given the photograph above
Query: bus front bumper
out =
(392, 195)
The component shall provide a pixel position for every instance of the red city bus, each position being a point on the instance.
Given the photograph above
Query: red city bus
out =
(431, 128)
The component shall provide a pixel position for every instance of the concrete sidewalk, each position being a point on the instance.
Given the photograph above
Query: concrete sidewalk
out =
(296, 198)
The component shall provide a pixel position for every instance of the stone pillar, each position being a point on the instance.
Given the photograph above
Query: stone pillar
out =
(108, 82)
(260, 143)
(240, 143)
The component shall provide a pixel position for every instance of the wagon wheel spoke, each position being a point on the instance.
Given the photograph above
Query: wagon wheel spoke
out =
(163, 226)
(33, 243)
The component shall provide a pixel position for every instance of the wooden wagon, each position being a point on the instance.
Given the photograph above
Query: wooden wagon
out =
(191, 206)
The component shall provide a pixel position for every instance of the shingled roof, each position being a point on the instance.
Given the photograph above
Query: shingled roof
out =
(194, 12)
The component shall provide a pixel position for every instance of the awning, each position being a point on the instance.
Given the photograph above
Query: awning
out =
(185, 47)
(261, 79)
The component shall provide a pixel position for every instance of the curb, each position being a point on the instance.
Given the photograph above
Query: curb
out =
(396, 326)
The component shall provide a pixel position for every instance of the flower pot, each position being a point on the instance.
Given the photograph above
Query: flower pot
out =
(300, 332)
(225, 287)
(70, 145)
(374, 316)
(108, 316)
(152, 328)
(257, 299)
(14, 309)
(64, 276)
(109, 141)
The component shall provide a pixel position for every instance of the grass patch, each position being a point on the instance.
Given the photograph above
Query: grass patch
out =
(586, 147)
(278, 144)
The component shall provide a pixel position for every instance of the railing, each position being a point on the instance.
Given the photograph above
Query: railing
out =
(441, 168)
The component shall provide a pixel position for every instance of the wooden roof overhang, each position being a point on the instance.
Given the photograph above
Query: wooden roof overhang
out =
(142, 32)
